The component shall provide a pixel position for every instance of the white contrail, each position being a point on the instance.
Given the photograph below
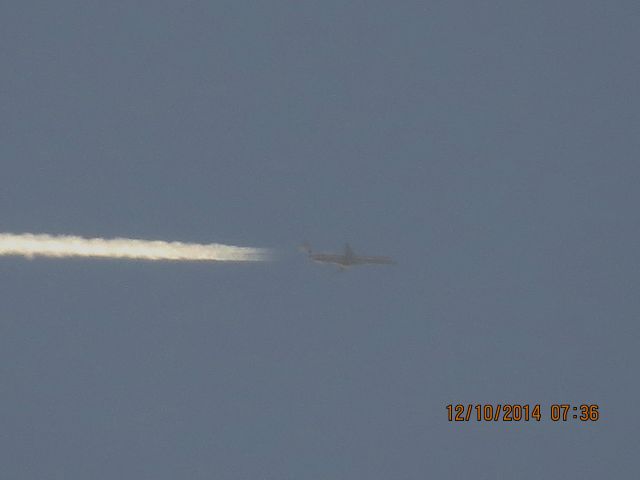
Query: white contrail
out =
(40, 245)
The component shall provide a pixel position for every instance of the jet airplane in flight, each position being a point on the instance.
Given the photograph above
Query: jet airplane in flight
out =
(346, 259)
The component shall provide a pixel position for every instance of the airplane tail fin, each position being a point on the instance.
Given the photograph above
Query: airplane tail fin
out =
(305, 247)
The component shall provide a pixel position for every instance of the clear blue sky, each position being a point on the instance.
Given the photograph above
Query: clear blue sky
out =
(490, 147)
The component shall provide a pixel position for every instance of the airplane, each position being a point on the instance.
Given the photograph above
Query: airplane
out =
(345, 260)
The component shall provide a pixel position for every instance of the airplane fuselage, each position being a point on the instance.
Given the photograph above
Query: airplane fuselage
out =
(347, 259)
(340, 260)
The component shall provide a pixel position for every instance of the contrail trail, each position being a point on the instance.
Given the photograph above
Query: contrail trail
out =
(41, 245)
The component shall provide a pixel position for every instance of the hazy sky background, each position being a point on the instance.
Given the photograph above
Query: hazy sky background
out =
(490, 147)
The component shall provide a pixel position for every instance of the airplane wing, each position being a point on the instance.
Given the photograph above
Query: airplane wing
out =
(363, 260)
(328, 258)
(348, 251)
(347, 259)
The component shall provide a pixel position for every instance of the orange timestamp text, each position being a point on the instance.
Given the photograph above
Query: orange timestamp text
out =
(515, 412)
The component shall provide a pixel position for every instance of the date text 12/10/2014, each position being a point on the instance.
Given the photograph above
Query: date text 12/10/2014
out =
(514, 412)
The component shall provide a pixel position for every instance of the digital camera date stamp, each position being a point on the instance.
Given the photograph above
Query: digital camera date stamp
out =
(522, 412)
